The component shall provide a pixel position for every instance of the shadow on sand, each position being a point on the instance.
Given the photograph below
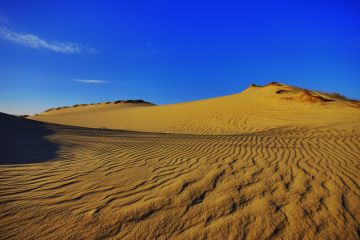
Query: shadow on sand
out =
(23, 141)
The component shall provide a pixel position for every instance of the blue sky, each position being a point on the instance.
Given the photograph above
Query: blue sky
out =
(56, 53)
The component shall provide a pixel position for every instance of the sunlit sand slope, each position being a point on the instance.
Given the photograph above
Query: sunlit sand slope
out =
(256, 109)
(283, 183)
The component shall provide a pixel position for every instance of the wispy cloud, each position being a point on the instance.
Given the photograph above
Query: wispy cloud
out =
(34, 41)
(92, 81)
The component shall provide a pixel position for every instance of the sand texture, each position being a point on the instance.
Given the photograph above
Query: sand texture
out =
(255, 165)
(255, 109)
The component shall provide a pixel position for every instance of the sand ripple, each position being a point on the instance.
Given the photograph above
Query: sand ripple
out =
(290, 183)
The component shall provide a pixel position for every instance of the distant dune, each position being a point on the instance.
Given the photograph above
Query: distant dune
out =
(256, 108)
(272, 162)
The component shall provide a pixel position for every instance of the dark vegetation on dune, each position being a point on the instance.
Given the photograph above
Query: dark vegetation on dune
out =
(269, 84)
(131, 101)
(339, 96)
(24, 141)
(275, 84)
(332, 96)
(281, 91)
(327, 97)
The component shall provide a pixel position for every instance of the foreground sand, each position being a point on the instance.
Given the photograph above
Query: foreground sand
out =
(273, 162)
(283, 183)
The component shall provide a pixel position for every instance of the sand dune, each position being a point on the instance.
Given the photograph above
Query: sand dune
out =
(255, 109)
(285, 167)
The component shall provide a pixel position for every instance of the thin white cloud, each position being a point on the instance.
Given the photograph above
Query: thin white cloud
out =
(91, 81)
(34, 41)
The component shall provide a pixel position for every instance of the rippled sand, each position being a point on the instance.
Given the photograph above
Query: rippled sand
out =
(263, 180)
(292, 183)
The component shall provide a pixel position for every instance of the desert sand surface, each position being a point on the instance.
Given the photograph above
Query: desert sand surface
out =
(255, 109)
(273, 162)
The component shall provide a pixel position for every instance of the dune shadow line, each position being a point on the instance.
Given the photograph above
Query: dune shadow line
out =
(23, 141)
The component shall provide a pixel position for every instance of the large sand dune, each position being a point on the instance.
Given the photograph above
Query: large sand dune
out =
(255, 109)
(285, 167)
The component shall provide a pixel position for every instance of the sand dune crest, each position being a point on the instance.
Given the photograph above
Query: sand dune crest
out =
(255, 109)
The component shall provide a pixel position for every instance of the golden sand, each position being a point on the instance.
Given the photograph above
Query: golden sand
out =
(254, 165)
(255, 109)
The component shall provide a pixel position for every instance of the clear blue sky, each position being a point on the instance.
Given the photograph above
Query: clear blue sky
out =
(172, 51)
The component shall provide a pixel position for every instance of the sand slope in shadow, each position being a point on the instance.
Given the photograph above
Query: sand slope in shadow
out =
(24, 141)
